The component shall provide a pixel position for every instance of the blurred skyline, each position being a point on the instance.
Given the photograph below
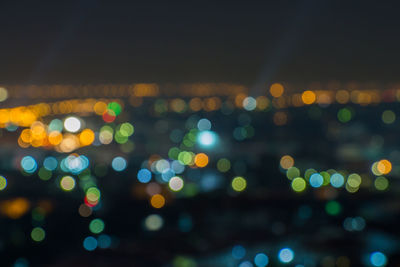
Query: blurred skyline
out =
(238, 41)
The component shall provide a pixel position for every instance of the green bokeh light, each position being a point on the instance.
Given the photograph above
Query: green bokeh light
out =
(333, 208)
(38, 234)
(223, 165)
(381, 183)
(388, 116)
(96, 226)
(44, 174)
(114, 106)
(3, 182)
(344, 115)
(292, 173)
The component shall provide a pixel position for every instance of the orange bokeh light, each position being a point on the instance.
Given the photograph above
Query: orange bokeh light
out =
(308, 97)
(86, 137)
(157, 201)
(201, 160)
(384, 166)
(276, 90)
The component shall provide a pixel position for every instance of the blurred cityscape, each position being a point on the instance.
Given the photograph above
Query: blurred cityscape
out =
(205, 174)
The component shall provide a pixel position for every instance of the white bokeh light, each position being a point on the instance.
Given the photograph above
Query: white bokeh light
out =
(207, 138)
(176, 183)
(72, 124)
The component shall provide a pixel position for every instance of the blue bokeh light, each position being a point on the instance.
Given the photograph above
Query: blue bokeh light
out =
(104, 241)
(118, 164)
(246, 264)
(29, 164)
(337, 180)
(207, 138)
(50, 163)
(261, 260)
(316, 180)
(90, 243)
(167, 174)
(144, 175)
(238, 252)
(177, 167)
(286, 255)
(378, 259)
(204, 125)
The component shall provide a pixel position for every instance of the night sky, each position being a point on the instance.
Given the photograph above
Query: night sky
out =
(228, 41)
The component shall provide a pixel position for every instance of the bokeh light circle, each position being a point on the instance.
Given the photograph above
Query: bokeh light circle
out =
(316, 180)
(286, 255)
(204, 125)
(3, 183)
(298, 184)
(90, 243)
(261, 260)
(153, 222)
(28, 164)
(175, 183)
(378, 259)
(38, 234)
(72, 124)
(239, 184)
(144, 175)
(118, 164)
(96, 226)
(337, 180)
(67, 183)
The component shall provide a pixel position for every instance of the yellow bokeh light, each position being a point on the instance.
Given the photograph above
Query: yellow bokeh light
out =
(27, 118)
(67, 183)
(37, 128)
(157, 201)
(298, 184)
(4, 116)
(55, 138)
(308, 97)
(100, 107)
(86, 137)
(16, 115)
(276, 90)
(26, 135)
(69, 143)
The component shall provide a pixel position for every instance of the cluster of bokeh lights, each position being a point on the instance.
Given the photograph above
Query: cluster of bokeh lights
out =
(195, 163)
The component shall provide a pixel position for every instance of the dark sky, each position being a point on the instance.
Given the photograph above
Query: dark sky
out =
(223, 41)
